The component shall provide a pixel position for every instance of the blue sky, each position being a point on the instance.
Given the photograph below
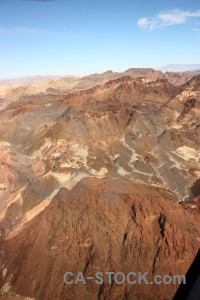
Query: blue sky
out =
(78, 37)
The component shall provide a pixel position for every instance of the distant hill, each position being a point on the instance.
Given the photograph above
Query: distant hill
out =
(179, 68)
(27, 80)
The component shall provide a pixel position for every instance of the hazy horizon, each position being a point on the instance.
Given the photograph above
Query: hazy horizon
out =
(82, 75)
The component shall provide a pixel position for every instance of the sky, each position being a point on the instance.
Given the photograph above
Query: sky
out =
(80, 37)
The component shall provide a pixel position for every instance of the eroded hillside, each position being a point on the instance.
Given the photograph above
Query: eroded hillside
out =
(99, 178)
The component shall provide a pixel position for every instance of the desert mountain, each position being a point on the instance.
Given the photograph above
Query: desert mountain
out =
(98, 173)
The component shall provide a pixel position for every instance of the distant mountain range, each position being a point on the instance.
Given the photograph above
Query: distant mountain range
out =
(17, 88)
(135, 72)
(179, 68)
(28, 79)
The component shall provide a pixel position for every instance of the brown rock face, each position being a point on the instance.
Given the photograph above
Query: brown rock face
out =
(102, 226)
(198, 202)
